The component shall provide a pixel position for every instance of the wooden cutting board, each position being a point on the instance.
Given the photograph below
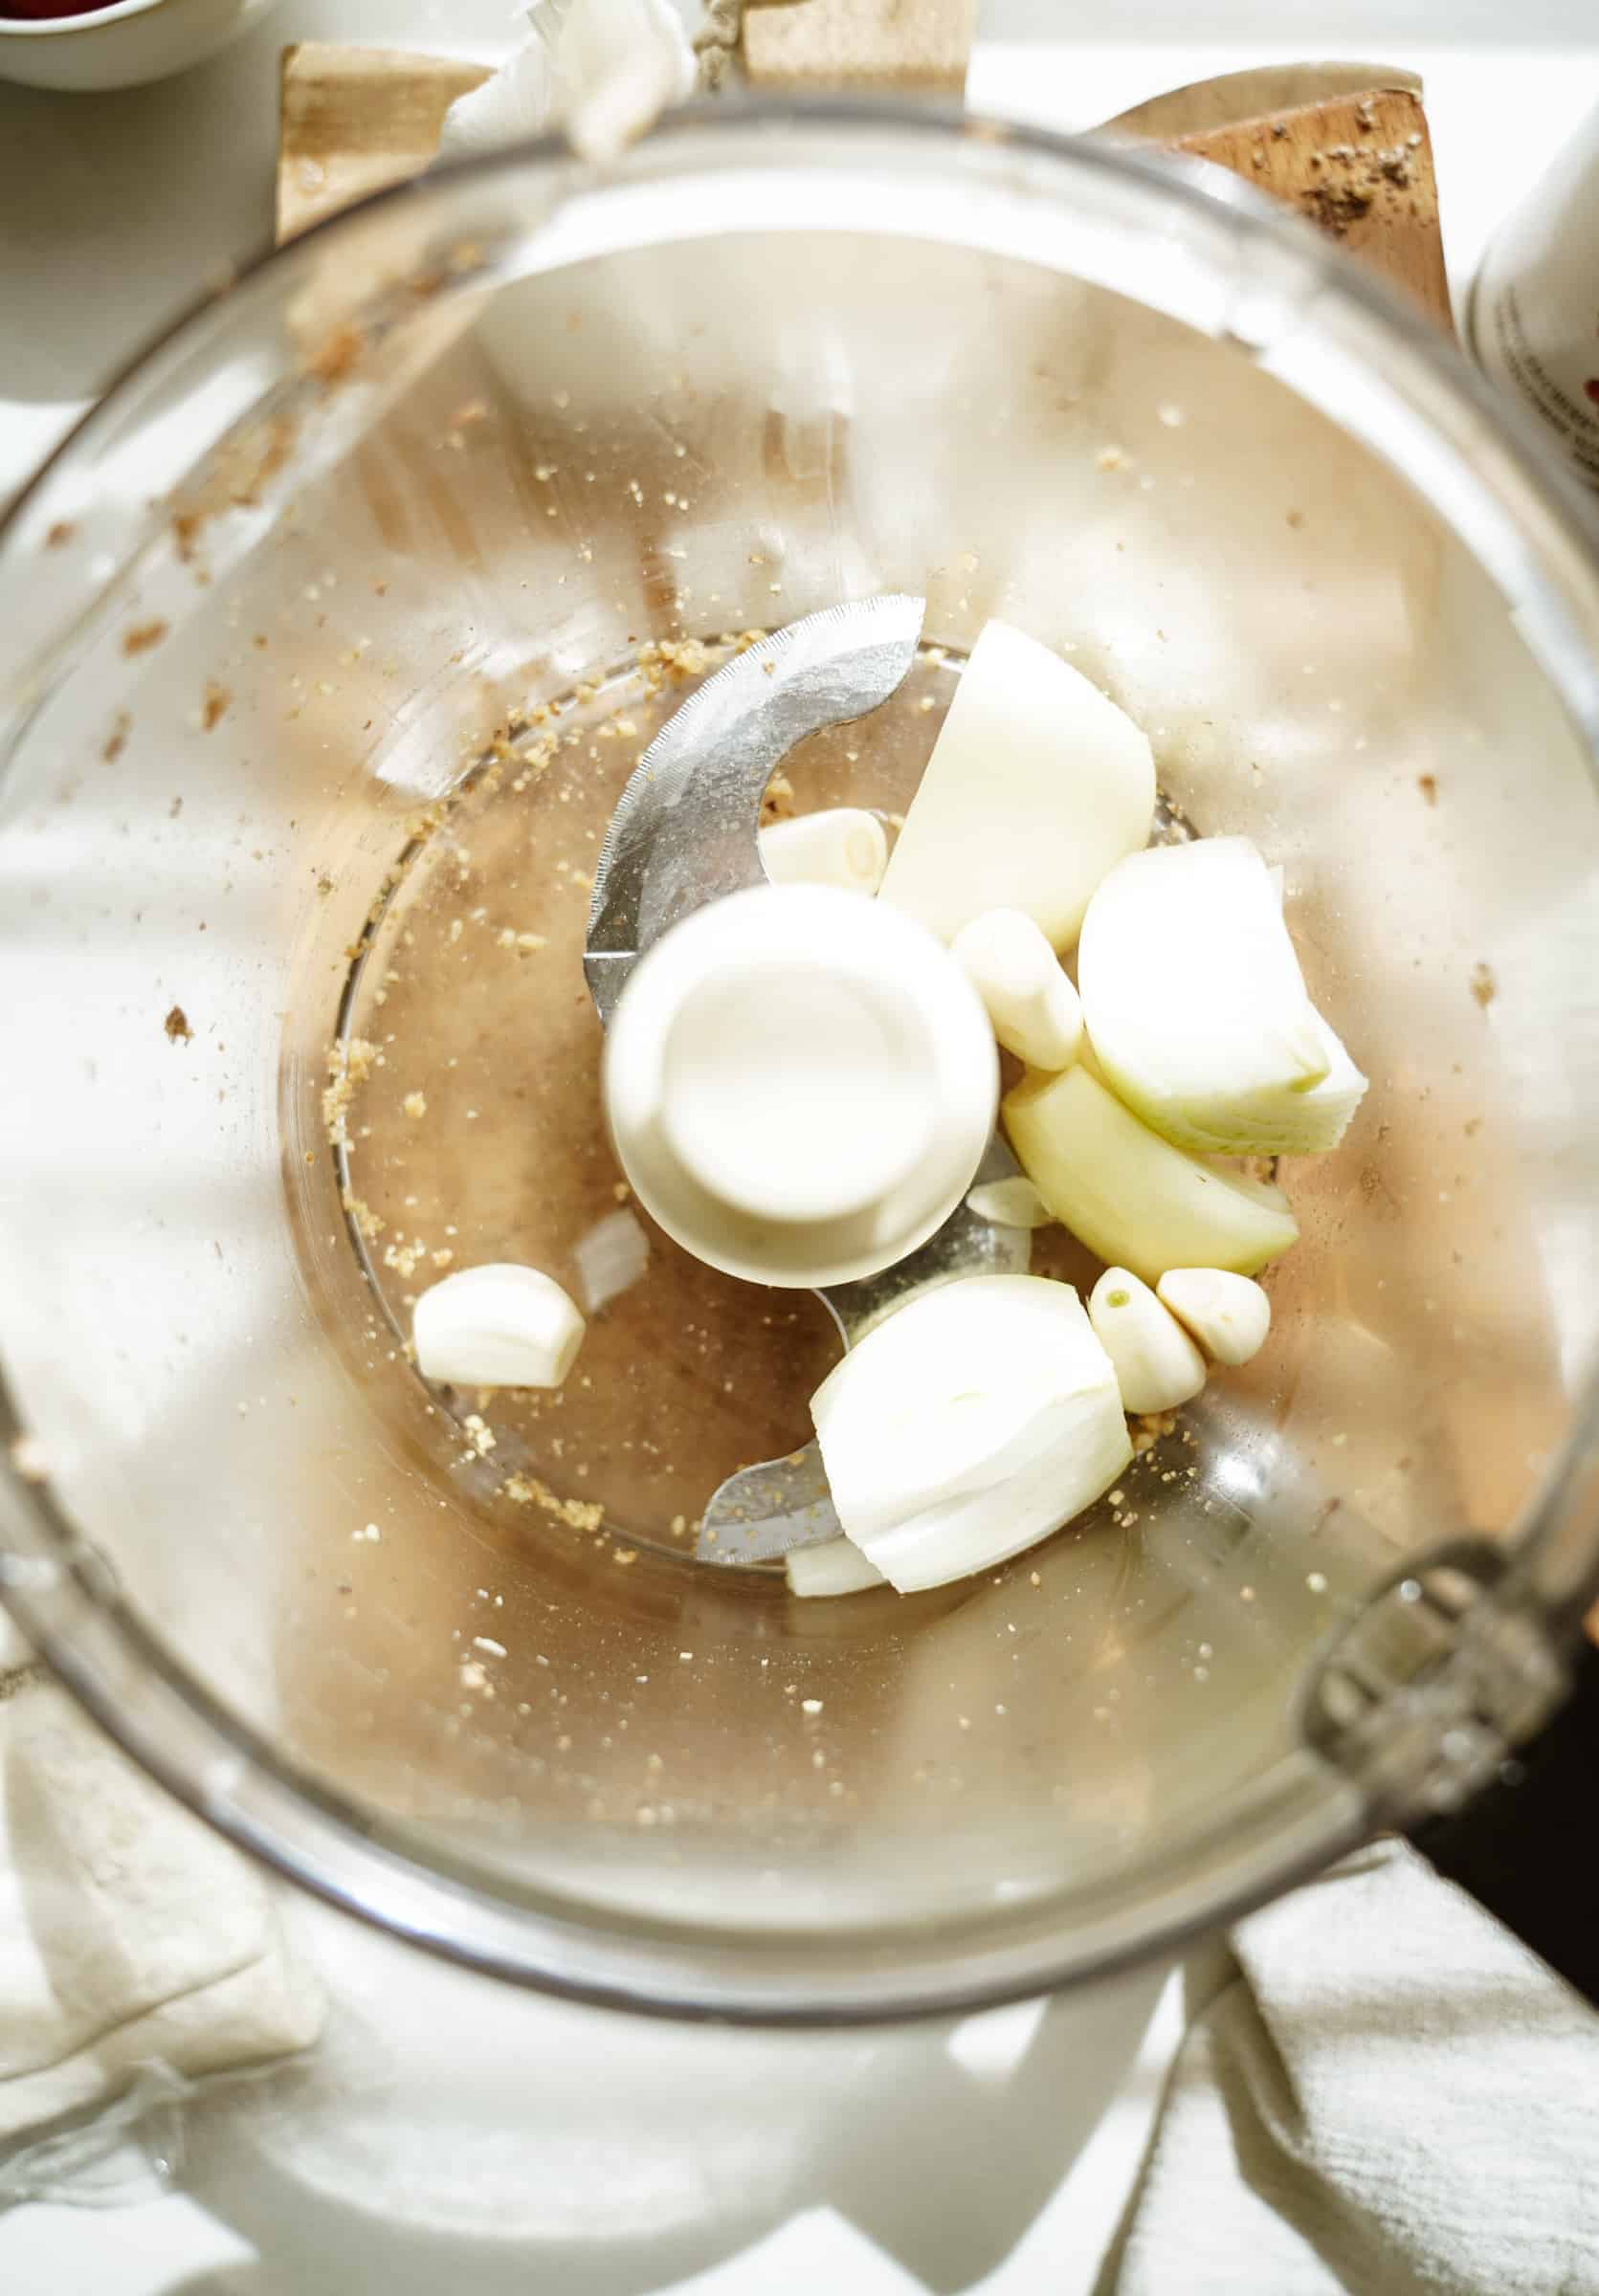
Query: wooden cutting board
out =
(1360, 164)
(352, 121)
(878, 46)
(1361, 168)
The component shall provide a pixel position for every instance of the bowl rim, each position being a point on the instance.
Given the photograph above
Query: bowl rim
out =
(1289, 1821)
(61, 28)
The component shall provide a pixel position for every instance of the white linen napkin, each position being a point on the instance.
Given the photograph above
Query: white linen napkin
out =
(130, 1935)
(1390, 2097)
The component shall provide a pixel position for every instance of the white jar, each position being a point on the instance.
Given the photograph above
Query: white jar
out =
(1534, 321)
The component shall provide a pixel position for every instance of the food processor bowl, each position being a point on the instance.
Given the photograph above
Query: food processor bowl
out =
(326, 643)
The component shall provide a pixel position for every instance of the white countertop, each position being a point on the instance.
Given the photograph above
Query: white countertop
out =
(501, 2143)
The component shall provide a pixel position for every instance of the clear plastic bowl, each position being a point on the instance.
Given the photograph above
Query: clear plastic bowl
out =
(370, 564)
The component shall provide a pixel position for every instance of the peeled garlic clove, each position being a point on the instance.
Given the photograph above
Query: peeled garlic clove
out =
(500, 1325)
(1228, 1315)
(844, 845)
(1156, 1365)
(1197, 1009)
(1027, 996)
(928, 1406)
(835, 1567)
(1037, 785)
(1009, 1204)
(974, 1422)
(1130, 1196)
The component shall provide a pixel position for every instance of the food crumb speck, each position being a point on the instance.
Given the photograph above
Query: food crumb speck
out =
(578, 1514)
(27, 1458)
(367, 1224)
(480, 1435)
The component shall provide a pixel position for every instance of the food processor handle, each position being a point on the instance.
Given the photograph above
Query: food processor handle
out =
(1512, 1846)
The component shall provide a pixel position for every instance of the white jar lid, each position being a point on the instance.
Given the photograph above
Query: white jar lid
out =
(800, 1084)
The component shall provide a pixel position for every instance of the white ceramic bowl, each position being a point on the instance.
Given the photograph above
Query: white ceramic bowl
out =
(122, 46)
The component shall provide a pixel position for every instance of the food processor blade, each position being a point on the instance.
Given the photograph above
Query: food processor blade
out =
(684, 832)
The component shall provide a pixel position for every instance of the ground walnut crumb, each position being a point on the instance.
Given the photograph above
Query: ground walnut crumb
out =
(177, 1028)
(778, 802)
(671, 659)
(1484, 987)
(349, 1064)
(578, 1514)
(367, 1224)
(143, 636)
(480, 1434)
(1335, 206)
(1150, 1427)
(213, 705)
